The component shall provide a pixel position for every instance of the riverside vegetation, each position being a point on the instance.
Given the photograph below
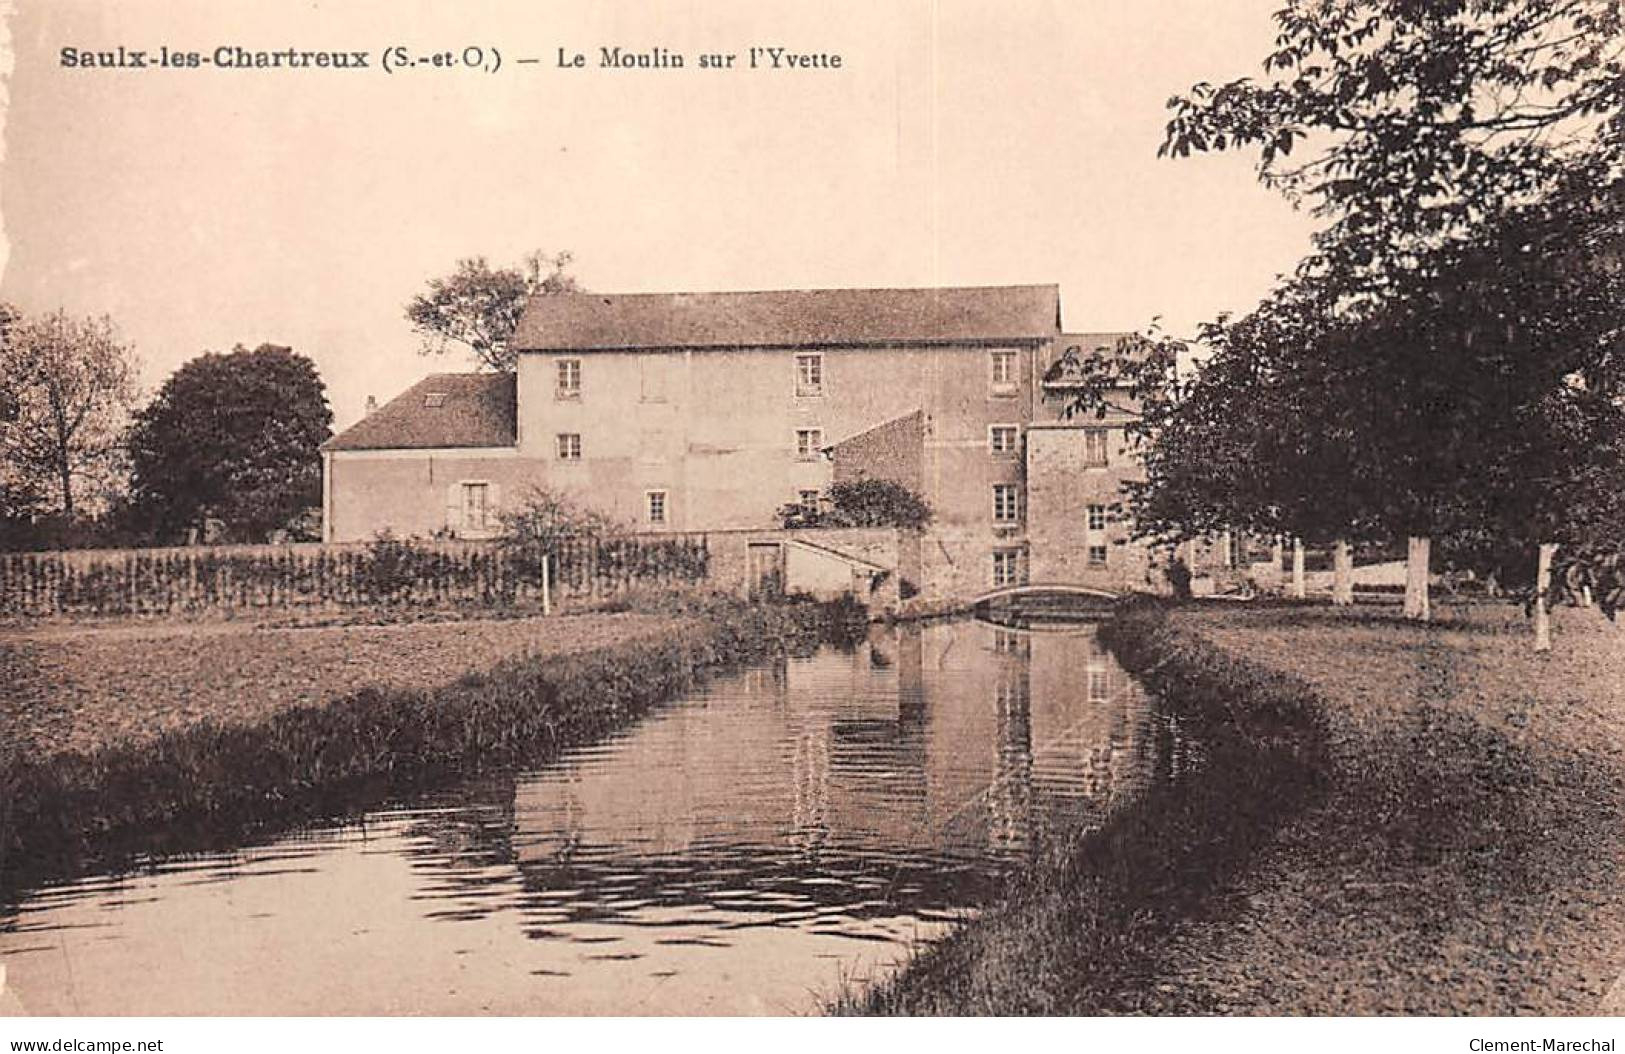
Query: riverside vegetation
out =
(212, 784)
(1078, 933)
(1380, 818)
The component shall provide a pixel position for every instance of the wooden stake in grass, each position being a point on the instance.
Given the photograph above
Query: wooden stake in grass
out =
(1417, 607)
(1343, 574)
(1543, 584)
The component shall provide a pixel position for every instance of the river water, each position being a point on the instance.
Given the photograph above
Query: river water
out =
(745, 849)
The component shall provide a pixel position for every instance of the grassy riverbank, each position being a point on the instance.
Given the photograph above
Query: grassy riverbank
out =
(1429, 824)
(1078, 935)
(1466, 859)
(224, 774)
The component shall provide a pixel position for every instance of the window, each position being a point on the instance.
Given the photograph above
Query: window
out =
(1094, 447)
(569, 384)
(476, 506)
(1097, 556)
(657, 506)
(809, 441)
(1003, 440)
(1008, 567)
(1097, 517)
(569, 446)
(1003, 365)
(434, 400)
(809, 375)
(1099, 684)
(654, 374)
(809, 500)
(1006, 502)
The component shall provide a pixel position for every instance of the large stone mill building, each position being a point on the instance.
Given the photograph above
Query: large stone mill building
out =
(708, 412)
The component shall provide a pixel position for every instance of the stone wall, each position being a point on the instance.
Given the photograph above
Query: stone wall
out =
(730, 561)
(1062, 484)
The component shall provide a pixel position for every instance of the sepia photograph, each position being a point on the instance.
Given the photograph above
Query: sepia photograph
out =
(1058, 509)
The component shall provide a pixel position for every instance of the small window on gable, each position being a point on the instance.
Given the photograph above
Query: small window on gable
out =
(434, 400)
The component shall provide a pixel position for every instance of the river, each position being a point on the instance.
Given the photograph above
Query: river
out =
(745, 849)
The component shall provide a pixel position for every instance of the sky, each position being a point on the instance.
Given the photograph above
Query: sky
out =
(961, 142)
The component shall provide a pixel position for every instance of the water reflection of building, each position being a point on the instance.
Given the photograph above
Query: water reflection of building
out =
(954, 736)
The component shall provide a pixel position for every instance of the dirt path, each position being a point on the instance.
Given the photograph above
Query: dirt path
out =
(79, 688)
(1469, 856)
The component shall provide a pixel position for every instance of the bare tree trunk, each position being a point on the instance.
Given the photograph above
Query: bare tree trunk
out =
(1416, 579)
(1299, 590)
(65, 475)
(1543, 583)
(1343, 574)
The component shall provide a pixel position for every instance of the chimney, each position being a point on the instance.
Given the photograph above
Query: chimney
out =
(372, 404)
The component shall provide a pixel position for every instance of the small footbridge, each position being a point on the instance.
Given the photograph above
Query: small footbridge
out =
(1044, 602)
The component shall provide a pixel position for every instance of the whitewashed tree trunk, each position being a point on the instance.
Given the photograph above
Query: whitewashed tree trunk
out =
(1343, 574)
(1299, 589)
(1417, 605)
(1543, 582)
(1277, 554)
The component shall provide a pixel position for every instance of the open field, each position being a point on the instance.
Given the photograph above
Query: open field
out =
(1459, 850)
(82, 688)
(414, 704)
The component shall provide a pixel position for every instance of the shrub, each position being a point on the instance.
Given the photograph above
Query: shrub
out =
(862, 503)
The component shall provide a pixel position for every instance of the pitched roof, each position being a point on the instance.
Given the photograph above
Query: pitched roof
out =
(795, 318)
(442, 410)
(1102, 344)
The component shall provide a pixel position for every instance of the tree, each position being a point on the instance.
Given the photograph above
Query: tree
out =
(1428, 116)
(235, 437)
(544, 521)
(545, 518)
(479, 307)
(862, 503)
(68, 384)
(1438, 127)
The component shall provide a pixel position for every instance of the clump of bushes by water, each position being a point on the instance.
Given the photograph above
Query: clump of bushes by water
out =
(212, 785)
(1080, 932)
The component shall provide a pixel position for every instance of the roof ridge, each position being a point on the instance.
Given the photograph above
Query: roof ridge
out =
(806, 289)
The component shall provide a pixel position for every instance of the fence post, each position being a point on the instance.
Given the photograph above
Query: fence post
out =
(547, 585)
(1543, 587)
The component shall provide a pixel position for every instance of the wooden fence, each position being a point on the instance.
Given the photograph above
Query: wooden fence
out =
(384, 572)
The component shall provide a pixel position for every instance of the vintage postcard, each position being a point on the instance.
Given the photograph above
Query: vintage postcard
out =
(741, 508)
